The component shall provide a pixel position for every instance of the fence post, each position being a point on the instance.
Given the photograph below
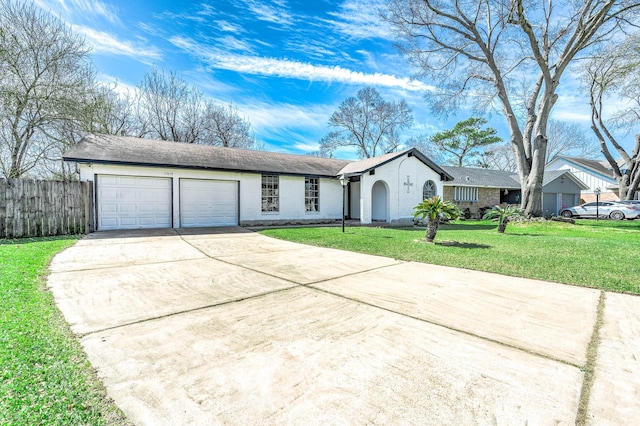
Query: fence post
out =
(3, 207)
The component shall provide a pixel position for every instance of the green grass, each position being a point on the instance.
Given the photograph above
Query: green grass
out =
(601, 254)
(45, 377)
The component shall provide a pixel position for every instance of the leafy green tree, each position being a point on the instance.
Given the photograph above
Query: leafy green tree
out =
(502, 215)
(465, 140)
(434, 209)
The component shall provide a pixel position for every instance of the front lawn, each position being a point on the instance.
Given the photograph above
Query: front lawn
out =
(602, 254)
(45, 377)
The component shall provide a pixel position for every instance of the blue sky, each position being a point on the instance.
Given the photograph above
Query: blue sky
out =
(285, 64)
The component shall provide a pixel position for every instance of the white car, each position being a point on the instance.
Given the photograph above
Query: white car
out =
(610, 209)
(634, 203)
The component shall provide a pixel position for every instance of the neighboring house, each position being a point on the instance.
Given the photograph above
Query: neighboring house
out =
(479, 189)
(143, 183)
(594, 173)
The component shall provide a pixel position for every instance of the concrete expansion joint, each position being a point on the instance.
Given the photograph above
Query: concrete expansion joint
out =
(398, 262)
(241, 266)
(589, 368)
(351, 274)
(160, 262)
(457, 330)
(186, 311)
(313, 286)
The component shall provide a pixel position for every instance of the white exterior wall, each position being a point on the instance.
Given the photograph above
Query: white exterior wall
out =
(291, 192)
(292, 200)
(400, 202)
(355, 200)
(592, 180)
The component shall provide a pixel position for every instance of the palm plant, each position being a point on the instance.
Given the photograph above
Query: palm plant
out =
(434, 209)
(502, 215)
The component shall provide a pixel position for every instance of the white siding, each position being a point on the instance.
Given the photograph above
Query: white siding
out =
(591, 179)
(291, 191)
(403, 195)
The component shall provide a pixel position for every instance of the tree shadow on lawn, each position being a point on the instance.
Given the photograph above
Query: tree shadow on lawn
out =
(465, 227)
(455, 244)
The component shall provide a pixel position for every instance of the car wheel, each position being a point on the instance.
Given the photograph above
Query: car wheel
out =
(616, 215)
(566, 213)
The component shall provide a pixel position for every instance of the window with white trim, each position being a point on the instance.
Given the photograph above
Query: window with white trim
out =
(311, 194)
(465, 193)
(429, 190)
(270, 198)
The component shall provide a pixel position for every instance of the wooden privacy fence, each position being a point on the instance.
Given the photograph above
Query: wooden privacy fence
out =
(38, 208)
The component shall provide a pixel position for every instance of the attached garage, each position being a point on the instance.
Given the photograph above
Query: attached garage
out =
(206, 202)
(132, 202)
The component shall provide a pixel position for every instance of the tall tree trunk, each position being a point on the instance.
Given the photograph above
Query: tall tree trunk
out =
(532, 183)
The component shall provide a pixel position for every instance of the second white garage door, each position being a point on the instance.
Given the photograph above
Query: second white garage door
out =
(208, 203)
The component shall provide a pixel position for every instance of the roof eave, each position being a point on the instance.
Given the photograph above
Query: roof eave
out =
(176, 166)
(590, 169)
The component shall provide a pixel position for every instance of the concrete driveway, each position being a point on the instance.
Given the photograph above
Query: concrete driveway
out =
(226, 326)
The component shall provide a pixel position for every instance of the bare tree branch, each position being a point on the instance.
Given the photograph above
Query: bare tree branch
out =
(476, 51)
(368, 123)
(45, 75)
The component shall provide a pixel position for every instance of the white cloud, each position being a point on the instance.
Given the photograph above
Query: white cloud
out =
(306, 147)
(360, 19)
(231, 43)
(287, 68)
(103, 42)
(227, 26)
(118, 85)
(80, 8)
(568, 115)
(277, 15)
(295, 128)
(281, 117)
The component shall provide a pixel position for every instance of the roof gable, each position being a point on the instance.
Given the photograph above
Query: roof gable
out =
(367, 164)
(552, 175)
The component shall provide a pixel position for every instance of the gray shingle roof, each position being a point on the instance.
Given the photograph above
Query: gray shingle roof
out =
(136, 151)
(595, 165)
(551, 175)
(367, 164)
(148, 152)
(486, 178)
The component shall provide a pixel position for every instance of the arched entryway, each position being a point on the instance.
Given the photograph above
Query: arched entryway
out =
(380, 202)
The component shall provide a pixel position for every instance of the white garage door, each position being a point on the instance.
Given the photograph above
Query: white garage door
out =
(131, 202)
(208, 203)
